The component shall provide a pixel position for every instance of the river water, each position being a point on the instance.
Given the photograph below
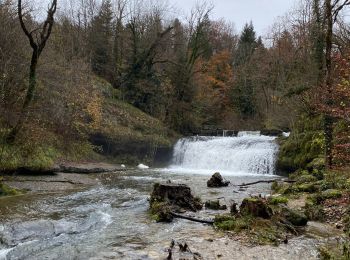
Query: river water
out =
(110, 220)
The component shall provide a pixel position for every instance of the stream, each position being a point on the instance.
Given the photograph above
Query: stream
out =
(110, 220)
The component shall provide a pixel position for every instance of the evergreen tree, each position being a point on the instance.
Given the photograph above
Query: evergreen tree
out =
(100, 41)
(246, 45)
(243, 93)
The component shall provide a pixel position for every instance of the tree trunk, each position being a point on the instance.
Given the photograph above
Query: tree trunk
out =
(28, 98)
(328, 120)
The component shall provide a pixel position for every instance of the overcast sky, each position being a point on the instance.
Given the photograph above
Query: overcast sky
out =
(262, 12)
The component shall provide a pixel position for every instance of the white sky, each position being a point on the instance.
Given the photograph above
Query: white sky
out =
(262, 12)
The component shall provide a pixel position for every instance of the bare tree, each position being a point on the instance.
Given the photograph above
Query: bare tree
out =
(37, 38)
(332, 10)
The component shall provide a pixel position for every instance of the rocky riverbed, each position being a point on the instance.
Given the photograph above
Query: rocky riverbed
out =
(105, 216)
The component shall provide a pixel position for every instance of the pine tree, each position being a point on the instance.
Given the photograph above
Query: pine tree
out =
(246, 45)
(100, 41)
(243, 93)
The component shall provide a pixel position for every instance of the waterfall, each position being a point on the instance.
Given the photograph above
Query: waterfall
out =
(248, 153)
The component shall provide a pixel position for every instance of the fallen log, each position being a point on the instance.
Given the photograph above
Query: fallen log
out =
(175, 215)
(264, 181)
(45, 181)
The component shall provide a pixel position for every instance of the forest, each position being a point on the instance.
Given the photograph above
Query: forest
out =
(184, 73)
(122, 81)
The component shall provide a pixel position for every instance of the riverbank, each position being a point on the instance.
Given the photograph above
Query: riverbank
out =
(65, 177)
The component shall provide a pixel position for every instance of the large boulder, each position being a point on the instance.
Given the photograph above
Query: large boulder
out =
(256, 207)
(296, 218)
(217, 181)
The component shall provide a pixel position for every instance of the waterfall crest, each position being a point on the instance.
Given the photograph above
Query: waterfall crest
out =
(248, 153)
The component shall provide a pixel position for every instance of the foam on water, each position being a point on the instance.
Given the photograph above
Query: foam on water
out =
(247, 154)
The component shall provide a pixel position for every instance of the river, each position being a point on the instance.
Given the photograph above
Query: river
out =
(110, 220)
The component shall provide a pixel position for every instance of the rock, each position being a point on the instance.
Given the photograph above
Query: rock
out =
(167, 198)
(339, 225)
(271, 132)
(308, 178)
(87, 168)
(217, 181)
(294, 217)
(256, 207)
(215, 205)
(233, 208)
(142, 166)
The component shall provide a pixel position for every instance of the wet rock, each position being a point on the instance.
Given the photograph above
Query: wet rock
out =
(271, 132)
(217, 181)
(215, 205)
(88, 168)
(256, 207)
(233, 208)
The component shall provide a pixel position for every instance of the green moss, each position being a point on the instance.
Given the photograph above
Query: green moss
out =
(307, 178)
(305, 143)
(160, 212)
(316, 164)
(332, 194)
(278, 200)
(230, 223)
(35, 157)
(8, 191)
(224, 222)
(319, 197)
(306, 187)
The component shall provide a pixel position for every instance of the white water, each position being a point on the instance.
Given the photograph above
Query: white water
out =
(247, 154)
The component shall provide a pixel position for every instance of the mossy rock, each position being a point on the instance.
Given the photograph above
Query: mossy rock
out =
(318, 198)
(161, 212)
(332, 194)
(276, 200)
(294, 217)
(255, 207)
(306, 187)
(324, 185)
(8, 191)
(281, 188)
(214, 205)
(319, 174)
(316, 164)
(306, 179)
(225, 222)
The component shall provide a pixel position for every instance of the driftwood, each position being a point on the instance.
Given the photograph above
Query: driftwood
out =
(264, 181)
(175, 215)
